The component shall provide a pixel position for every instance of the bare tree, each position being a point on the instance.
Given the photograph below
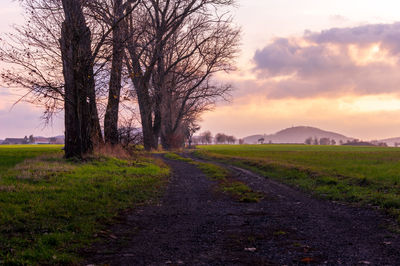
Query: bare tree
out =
(206, 137)
(112, 14)
(33, 56)
(111, 116)
(231, 139)
(220, 138)
(42, 54)
(325, 141)
(190, 127)
(181, 43)
(308, 141)
(38, 58)
(184, 72)
(152, 28)
(79, 80)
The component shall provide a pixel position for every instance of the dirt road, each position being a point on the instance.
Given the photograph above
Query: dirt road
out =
(196, 225)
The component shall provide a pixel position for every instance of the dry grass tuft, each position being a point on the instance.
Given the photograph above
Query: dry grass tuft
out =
(43, 168)
(116, 151)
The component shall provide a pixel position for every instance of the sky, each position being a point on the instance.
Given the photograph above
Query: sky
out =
(329, 64)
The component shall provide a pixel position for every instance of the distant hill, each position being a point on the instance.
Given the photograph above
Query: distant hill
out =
(296, 135)
(390, 141)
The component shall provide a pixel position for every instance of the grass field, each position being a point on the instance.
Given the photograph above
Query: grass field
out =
(51, 208)
(10, 155)
(369, 175)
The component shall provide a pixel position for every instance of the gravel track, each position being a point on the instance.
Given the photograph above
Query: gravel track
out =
(194, 224)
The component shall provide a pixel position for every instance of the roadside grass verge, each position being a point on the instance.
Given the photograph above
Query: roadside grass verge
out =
(228, 185)
(51, 208)
(362, 175)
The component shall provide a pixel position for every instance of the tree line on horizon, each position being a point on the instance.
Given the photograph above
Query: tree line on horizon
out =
(353, 142)
(207, 138)
(152, 61)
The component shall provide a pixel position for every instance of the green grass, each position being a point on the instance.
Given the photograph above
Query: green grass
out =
(369, 175)
(10, 155)
(51, 208)
(176, 157)
(236, 189)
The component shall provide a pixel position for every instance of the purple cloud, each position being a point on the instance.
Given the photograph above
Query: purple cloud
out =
(319, 70)
(388, 35)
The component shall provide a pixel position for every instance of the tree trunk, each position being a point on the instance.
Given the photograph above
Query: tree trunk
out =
(79, 81)
(171, 135)
(141, 83)
(96, 135)
(111, 116)
(157, 122)
(146, 114)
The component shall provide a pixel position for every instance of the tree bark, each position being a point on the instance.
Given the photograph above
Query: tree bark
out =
(145, 102)
(172, 136)
(146, 115)
(79, 81)
(112, 111)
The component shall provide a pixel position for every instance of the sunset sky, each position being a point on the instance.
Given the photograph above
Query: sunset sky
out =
(329, 64)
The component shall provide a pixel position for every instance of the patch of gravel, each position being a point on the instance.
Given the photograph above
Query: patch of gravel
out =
(195, 225)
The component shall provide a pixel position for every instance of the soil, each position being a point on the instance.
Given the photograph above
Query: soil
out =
(195, 224)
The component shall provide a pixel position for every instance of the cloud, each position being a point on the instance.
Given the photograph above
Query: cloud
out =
(362, 60)
(388, 35)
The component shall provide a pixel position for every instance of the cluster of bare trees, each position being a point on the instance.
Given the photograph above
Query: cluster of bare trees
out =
(91, 58)
(321, 141)
(221, 138)
(207, 138)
